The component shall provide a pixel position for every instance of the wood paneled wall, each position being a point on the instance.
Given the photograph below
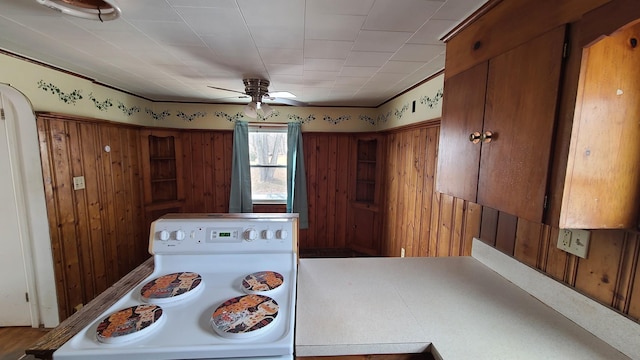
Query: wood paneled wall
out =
(207, 174)
(427, 223)
(326, 157)
(99, 234)
(610, 274)
(207, 157)
(96, 233)
(416, 218)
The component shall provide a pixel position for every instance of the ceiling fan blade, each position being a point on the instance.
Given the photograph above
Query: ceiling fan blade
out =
(235, 91)
(287, 101)
(231, 97)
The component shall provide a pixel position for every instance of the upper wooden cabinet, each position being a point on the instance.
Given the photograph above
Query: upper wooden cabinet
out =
(602, 183)
(497, 128)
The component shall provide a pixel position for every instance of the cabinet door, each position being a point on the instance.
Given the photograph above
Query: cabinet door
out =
(602, 184)
(462, 115)
(521, 100)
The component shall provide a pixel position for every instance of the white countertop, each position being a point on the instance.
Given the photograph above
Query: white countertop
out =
(457, 304)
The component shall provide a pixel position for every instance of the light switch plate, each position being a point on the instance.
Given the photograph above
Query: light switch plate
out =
(574, 241)
(78, 183)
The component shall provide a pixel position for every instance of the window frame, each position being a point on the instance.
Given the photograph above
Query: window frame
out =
(269, 128)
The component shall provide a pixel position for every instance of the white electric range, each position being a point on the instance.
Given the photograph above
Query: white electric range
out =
(223, 286)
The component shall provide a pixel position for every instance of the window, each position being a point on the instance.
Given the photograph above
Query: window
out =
(268, 161)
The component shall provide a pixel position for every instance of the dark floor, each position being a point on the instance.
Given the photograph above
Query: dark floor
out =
(13, 341)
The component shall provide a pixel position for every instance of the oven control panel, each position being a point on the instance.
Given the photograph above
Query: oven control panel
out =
(197, 235)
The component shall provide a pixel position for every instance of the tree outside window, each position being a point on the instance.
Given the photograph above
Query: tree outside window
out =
(268, 162)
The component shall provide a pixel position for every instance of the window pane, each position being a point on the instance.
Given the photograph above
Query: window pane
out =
(268, 148)
(269, 184)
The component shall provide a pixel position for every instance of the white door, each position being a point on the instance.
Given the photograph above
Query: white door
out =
(14, 308)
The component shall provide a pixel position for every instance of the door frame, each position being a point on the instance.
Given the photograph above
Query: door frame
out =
(24, 152)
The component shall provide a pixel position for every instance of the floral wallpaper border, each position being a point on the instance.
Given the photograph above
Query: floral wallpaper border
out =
(128, 111)
(67, 98)
(76, 95)
(102, 106)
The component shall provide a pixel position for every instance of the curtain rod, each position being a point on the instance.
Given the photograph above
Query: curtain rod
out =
(267, 124)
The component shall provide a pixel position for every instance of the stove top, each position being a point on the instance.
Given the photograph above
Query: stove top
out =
(224, 290)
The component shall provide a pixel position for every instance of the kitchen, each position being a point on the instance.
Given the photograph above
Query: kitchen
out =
(607, 274)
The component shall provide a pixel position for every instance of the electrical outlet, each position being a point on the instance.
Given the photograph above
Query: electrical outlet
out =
(401, 252)
(574, 241)
(78, 183)
(564, 239)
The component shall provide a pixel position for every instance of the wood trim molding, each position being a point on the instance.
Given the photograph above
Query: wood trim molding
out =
(471, 19)
(417, 125)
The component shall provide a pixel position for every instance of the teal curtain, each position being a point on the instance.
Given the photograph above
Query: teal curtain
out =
(240, 198)
(296, 178)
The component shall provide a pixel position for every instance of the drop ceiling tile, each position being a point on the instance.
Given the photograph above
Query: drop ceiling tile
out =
(327, 49)
(279, 13)
(342, 7)
(332, 27)
(367, 58)
(381, 41)
(14, 9)
(285, 69)
(359, 71)
(152, 10)
(176, 43)
(168, 32)
(311, 64)
(203, 3)
(277, 37)
(190, 53)
(281, 56)
(212, 21)
(401, 67)
(406, 15)
(432, 31)
(350, 82)
(130, 41)
(418, 52)
(320, 75)
(458, 9)
(384, 79)
(57, 28)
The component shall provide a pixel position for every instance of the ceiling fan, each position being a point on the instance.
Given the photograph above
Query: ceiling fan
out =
(258, 90)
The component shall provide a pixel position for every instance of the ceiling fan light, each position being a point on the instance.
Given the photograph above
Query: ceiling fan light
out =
(251, 110)
(267, 110)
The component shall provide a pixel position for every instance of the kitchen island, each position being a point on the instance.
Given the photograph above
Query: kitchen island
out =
(456, 307)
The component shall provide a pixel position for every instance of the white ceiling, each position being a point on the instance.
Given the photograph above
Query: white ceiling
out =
(326, 52)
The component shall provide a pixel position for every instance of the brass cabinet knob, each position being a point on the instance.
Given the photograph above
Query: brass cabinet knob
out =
(486, 137)
(475, 137)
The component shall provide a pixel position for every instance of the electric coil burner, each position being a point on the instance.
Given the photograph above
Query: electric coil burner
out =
(223, 287)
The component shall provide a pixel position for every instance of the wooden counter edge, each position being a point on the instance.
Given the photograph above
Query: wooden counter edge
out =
(45, 346)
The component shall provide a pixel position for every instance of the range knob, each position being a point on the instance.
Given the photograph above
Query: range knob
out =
(164, 235)
(180, 235)
(267, 234)
(250, 234)
(282, 234)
